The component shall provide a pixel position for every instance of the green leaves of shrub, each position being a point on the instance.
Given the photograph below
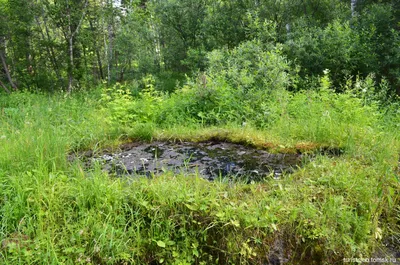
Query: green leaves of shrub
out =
(124, 109)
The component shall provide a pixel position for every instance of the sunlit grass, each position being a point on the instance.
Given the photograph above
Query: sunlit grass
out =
(54, 211)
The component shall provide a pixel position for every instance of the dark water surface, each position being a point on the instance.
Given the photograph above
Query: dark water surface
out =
(210, 159)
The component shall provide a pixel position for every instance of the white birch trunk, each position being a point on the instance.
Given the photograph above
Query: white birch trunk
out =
(71, 45)
(353, 8)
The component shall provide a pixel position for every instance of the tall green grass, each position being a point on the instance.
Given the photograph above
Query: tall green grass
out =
(54, 211)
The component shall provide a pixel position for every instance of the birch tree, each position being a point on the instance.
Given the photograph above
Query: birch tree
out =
(353, 7)
(72, 30)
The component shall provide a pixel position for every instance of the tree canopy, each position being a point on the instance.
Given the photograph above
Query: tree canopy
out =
(71, 44)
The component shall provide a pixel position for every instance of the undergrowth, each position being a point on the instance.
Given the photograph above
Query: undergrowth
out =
(54, 211)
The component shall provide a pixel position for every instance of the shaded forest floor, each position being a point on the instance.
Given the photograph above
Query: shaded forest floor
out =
(333, 210)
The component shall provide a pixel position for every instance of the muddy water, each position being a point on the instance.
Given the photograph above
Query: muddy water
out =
(211, 160)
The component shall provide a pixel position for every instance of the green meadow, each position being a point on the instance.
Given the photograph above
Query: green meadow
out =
(56, 211)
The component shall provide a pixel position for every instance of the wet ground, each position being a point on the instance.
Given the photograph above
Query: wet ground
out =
(213, 160)
(210, 159)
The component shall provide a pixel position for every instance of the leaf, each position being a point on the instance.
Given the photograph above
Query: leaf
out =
(378, 233)
(235, 223)
(191, 207)
(220, 214)
(170, 243)
(161, 244)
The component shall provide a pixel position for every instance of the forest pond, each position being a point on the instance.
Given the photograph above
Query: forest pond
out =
(210, 159)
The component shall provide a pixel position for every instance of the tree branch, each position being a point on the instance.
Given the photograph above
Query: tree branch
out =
(5, 88)
(80, 20)
(3, 61)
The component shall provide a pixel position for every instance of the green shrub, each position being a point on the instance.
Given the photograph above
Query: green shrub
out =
(236, 87)
(122, 108)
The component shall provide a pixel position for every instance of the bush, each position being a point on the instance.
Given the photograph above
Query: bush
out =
(317, 49)
(236, 86)
(365, 45)
(122, 108)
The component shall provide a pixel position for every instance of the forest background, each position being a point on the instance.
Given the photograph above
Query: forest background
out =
(65, 45)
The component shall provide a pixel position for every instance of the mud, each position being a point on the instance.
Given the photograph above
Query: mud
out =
(211, 160)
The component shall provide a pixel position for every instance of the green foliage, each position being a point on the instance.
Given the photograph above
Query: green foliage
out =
(133, 36)
(236, 86)
(360, 47)
(55, 211)
(317, 49)
(123, 109)
(173, 37)
(380, 39)
(179, 26)
(325, 116)
(118, 101)
(250, 67)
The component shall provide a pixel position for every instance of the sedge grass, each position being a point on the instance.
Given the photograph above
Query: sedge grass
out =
(57, 212)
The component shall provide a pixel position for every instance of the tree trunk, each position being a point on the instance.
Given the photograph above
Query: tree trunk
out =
(110, 51)
(53, 56)
(71, 36)
(71, 64)
(353, 7)
(157, 45)
(106, 56)
(3, 61)
(5, 88)
(49, 50)
(99, 64)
